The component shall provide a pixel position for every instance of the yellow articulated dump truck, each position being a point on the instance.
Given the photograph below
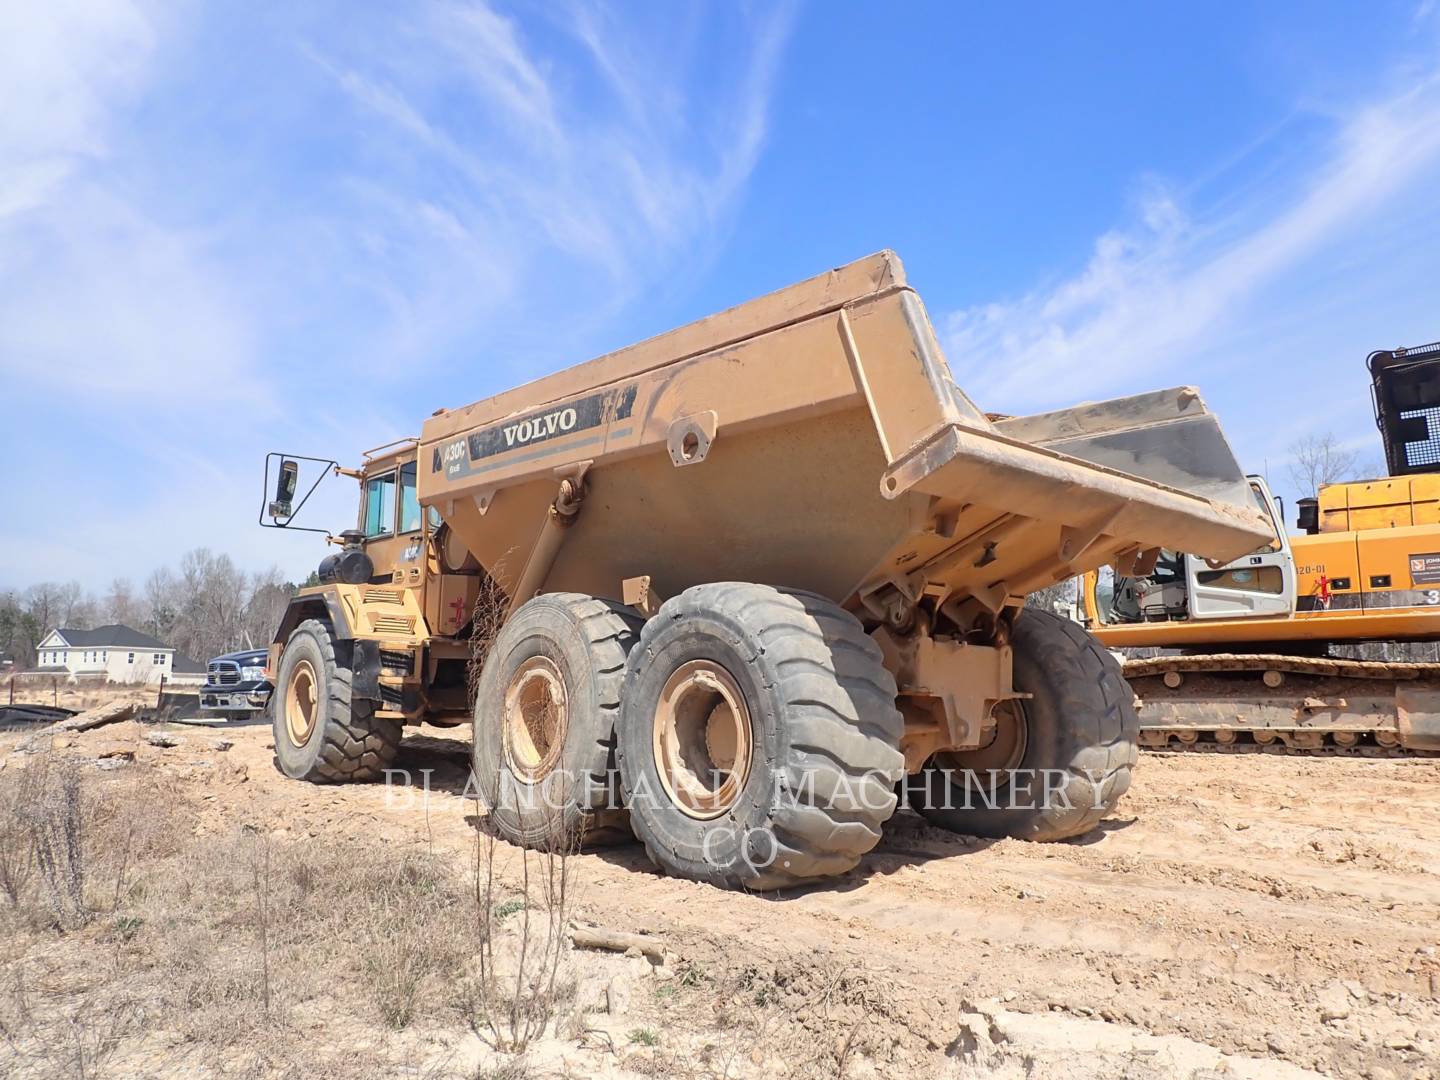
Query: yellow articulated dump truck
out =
(750, 581)
(1248, 643)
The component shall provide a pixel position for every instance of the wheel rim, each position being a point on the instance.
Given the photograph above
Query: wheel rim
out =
(300, 710)
(702, 739)
(994, 764)
(536, 719)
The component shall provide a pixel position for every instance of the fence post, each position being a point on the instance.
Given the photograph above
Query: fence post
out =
(55, 690)
(160, 697)
(12, 689)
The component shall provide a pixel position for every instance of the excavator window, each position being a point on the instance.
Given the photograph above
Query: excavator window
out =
(1268, 510)
(1170, 566)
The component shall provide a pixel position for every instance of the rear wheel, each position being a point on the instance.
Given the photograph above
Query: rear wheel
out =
(323, 732)
(545, 709)
(759, 740)
(1060, 759)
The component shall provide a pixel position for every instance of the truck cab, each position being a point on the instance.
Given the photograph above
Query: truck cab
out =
(399, 595)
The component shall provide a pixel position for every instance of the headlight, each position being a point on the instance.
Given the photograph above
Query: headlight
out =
(252, 674)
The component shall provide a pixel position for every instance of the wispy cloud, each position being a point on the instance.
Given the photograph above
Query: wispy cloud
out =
(1157, 295)
(618, 164)
(227, 230)
(96, 295)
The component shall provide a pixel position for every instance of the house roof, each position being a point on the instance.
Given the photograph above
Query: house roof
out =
(115, 636)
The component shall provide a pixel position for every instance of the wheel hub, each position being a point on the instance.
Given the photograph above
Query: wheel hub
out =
(536, 719)
(702, 739)
(300, 704)
(994, 764)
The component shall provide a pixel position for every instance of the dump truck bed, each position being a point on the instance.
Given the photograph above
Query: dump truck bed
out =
(814, 438)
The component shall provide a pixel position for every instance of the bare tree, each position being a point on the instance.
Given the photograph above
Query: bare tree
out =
(209, 607)
(122, 605)
(269, 594)
(1317, 460)
(27, 617)
(162, 606)
(43, 606)
(212, 594)
(84, 613)
(19, 631)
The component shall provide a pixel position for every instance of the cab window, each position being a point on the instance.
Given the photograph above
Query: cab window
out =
(409, 501)
(380, 505)
(1268, 510)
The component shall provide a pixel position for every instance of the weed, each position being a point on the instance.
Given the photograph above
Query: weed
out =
(260, 869)
(18, 791)
(127, 926)
(692, 975)
(507, 908)
(645, 1037)
(517, 1068)
(511, 999)
(59, 833)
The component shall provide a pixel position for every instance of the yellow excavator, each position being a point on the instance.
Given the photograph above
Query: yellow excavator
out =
(1238, 655)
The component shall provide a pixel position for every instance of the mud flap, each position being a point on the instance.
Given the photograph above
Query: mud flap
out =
(365, 669)
(1418, 717)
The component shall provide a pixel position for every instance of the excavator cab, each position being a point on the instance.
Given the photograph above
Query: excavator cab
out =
(1405, 389)
(1181, 587)
(1157, 596)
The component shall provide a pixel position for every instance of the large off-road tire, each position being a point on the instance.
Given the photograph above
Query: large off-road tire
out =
(1063, 756)
(545, 713)
(323, 732)
(759, 738)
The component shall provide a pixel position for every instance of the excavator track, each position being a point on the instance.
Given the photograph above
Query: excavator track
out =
(1275, 703)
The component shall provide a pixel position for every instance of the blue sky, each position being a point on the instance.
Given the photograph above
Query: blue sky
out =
(227, 228)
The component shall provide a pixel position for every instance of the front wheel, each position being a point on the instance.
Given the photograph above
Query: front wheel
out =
(1060, 758)
(323, 731)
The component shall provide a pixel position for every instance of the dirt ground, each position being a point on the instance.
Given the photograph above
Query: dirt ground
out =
(1251, 915)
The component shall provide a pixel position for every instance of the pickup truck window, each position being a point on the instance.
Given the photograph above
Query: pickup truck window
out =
(409, 501)
(380, 505)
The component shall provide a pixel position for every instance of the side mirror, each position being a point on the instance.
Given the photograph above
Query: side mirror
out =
(280, 504)
(286, 480)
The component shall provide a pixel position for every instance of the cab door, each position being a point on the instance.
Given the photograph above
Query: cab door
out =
(1260, 584)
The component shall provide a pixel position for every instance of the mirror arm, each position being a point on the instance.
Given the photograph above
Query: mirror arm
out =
(275, 523)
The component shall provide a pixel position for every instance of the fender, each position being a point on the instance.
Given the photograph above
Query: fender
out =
(322, 602)
(358, 648)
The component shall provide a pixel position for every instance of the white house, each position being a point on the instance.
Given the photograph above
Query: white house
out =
(118, 654)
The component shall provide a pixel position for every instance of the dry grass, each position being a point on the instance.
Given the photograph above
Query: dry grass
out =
(137, 944)
(218, 942)
(123, 929)
(17, 856)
